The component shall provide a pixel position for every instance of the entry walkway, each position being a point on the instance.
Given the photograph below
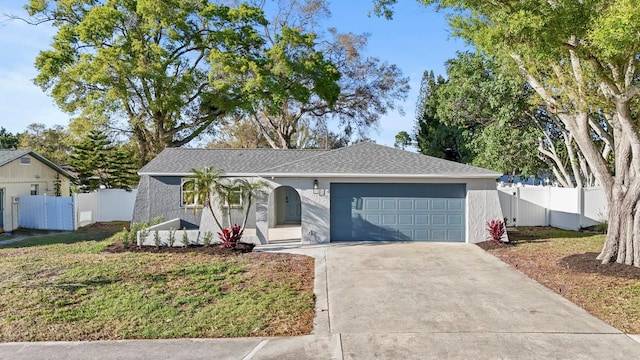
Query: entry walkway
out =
(398, 301)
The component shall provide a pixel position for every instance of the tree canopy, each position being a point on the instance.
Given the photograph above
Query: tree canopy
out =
(8, 140)
(100, 163)
(323, 77)
(581, 58)
(166, 72)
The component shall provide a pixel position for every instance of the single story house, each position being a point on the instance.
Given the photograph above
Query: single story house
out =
(24, 172)
(362, 192)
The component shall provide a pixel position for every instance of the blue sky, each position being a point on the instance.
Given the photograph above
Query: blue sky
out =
(416, 40)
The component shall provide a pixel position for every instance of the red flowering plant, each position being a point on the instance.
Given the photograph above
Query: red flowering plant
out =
(230, 236)
(496, 231)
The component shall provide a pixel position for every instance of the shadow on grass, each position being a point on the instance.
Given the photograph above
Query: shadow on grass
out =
(95, 232)
(587, 263)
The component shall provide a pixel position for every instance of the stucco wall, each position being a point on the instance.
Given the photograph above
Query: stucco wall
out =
(482, 204)
(160, 196)
(163, 194)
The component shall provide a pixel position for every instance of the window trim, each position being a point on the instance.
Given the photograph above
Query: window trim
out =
(238, 205)
(183, 204)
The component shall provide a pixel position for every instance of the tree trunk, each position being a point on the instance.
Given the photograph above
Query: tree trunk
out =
(622, 243)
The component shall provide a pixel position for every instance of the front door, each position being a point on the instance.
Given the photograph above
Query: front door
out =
(292, 206)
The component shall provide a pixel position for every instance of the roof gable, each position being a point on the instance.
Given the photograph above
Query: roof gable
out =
(7, 156)
(362, 159)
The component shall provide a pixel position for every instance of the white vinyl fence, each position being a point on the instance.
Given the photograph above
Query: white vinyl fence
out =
(72, 212)
(104, 205)
(564, 208)
(45, 212)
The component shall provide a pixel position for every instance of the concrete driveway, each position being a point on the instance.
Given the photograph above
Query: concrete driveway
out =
(397, 301)
(421, 300)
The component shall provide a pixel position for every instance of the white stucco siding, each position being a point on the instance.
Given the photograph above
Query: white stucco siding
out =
(482, 204)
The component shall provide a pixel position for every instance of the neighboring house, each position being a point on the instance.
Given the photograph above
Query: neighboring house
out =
(24, 172)
(357, 193)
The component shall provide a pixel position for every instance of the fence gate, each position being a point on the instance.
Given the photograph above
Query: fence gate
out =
(46, 212)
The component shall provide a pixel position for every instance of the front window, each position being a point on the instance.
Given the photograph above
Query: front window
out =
(234, 199)
(25, 160)
(188, 195)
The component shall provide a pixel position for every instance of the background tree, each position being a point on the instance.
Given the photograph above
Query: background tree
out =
(403, 139)
(99, 163)
(581, 58)
(434, 137)
(145, 66)
(367, 88)
(8, 140)
(53, 143)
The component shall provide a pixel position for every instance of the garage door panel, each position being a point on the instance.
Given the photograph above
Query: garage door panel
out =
(438, 219)
(421, 219)
(389, 204)
(455, 235)
(421, 204)
(405, 204)
(438, 235)
(455, 205)
(389, 219)
(373, 219)
(429, 212)
(438, 205)
(454, 219)
(405, 219)
(371, 204)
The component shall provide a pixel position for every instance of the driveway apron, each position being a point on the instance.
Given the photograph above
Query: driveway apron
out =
(425, 300)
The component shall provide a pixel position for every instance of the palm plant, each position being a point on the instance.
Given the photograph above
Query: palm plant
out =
(207, 183)
(248, 190)
(200, 187)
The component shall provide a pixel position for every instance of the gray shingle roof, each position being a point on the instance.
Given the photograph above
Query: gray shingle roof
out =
(363, 159)
(368, 158)
(231, 161)
(7, 156)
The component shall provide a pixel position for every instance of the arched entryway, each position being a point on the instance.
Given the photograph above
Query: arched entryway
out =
(284, 215)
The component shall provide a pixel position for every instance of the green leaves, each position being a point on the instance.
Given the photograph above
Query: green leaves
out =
(101, 164)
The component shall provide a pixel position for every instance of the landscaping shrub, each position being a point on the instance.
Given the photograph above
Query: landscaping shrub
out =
(230, 236)
(496, 230)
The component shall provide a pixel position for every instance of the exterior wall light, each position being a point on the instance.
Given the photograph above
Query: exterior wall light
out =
(316, 189)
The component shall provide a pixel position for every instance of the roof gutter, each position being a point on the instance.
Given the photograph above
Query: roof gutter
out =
(341, 175)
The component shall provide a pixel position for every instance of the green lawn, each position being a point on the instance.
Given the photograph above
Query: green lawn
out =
(66, 288)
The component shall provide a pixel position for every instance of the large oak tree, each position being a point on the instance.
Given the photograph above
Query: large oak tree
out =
(581, 58)
(160, 69)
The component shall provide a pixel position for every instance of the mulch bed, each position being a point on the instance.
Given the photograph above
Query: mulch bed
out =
(587, 263)
(581, 263)
(117, 248)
